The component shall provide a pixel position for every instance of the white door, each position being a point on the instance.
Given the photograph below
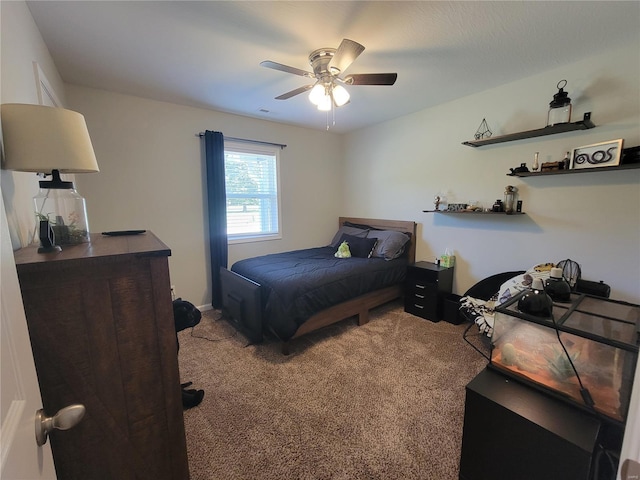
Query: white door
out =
(20, 457)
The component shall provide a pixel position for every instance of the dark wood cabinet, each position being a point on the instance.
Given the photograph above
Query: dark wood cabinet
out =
(425, 287)
(512, 431)
(101, 325)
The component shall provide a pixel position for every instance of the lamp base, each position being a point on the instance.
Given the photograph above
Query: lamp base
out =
(60, 204)
(52, 249)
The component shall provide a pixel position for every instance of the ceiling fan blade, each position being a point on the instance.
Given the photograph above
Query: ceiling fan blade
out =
(346, 53)
(286, 68)
(295, 92)
(371, 79)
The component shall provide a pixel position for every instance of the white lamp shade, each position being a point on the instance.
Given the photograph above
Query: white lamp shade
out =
(325, 104)
(41, 139)
(316, 94)
(340, 95)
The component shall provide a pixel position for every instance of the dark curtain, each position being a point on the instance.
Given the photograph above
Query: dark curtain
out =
(217, 201)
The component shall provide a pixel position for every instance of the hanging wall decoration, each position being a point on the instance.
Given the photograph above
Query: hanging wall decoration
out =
(604, 154)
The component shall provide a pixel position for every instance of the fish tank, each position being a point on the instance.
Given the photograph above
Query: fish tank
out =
(585, 352)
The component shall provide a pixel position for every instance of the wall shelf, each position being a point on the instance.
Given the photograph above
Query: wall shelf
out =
(471, 214)
(630, 166)
(583, 124)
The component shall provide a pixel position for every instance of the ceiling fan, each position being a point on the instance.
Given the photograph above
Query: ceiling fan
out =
(328, 65)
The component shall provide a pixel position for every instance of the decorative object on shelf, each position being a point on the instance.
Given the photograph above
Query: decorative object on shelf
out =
(604, 154)
(566, 161)
(552, 166)
(521, 169)
(557, 287)
(436, 202)
(519, 206)
(509, 199)
(536, 302)
(559, 107)
(483, 131)
(535, 164)
(51, 141)
(456, 207)
(473, 206)
(498, 206)
(630, 155)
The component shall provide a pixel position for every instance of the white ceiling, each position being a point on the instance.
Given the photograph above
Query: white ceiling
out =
(208, 53)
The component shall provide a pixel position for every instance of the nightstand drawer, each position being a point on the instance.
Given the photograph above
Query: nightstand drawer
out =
(427, 310)
(421, 296)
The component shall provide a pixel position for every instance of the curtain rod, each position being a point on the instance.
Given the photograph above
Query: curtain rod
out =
(245, 140)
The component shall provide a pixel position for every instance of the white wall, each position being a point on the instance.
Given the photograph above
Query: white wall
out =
(21, 45)
(152, 176)
(395, 169)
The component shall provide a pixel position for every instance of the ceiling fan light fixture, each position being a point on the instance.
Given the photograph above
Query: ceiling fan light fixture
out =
(340, 95)
(316, 94)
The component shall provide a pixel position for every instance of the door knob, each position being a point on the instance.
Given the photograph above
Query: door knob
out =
(65, 419)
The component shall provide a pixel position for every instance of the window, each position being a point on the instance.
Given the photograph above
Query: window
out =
(252, 187)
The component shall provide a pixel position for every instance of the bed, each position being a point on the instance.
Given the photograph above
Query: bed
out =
(293, 293)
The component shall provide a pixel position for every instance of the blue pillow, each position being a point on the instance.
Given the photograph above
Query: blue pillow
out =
(390, 244)
(359, 247)
(356, 232)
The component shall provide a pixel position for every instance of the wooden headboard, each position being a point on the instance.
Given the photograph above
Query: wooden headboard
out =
(397, 225)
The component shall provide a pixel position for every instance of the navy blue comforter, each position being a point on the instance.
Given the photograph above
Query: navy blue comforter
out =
(298, 284)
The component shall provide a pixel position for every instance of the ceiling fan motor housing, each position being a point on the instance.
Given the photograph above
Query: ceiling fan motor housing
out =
(319, 61)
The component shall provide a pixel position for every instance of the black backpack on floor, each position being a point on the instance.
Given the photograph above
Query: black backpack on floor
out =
(185, 314)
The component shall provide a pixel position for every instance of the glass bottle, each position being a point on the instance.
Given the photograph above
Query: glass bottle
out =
(566, 161)
(509, 199)
(535, 165)
(66, 210)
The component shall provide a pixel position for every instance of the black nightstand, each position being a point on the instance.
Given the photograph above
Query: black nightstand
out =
(426, 285)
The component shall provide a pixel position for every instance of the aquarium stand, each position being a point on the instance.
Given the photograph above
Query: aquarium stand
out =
(514, 431)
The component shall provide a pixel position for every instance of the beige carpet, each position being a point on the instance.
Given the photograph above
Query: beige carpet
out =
(381, 401)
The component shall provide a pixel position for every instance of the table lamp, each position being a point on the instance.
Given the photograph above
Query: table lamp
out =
(51, 141)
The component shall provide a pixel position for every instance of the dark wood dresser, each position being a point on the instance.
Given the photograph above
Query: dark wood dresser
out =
(101, 324)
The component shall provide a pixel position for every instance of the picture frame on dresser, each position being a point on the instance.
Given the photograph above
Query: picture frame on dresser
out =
(603, 154)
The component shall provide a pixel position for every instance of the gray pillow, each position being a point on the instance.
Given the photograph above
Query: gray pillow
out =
(390, 243)
(356, 232)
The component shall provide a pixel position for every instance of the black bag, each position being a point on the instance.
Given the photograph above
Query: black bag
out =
(185, 314)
